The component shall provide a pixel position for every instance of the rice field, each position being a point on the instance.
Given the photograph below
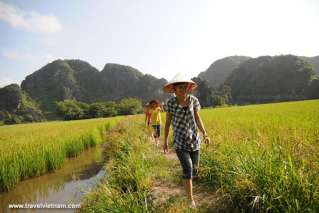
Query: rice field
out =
(133, 167)
(28, 150)
(265, 158)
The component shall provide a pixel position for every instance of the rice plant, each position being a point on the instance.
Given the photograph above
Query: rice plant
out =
(265, 156)
(133, 166)
(28, 150)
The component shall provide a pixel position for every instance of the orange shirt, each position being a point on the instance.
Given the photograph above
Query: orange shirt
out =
(155, 116)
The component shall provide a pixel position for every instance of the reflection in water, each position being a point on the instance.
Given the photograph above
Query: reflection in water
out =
(66, 185)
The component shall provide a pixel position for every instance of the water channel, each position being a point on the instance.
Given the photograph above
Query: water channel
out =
(64, 186)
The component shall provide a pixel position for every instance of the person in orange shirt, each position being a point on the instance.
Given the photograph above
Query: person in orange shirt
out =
(147, 108)
(155, 119)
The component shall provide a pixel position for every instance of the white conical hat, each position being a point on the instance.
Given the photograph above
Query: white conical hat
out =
(179, 78)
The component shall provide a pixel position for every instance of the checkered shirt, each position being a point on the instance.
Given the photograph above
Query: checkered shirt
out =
(184, 125)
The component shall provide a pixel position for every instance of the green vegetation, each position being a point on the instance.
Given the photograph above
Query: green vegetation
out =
(264, 79)
(231, 80)
(133, 167)
(313, 89)
(217, 72)
(17, 107)
(74, 110)
(314, 61)
(78, 80)
(270, 79)
(28, 150)
(264, 158)
(211, 97)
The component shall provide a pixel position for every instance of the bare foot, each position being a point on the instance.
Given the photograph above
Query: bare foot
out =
(192, 204)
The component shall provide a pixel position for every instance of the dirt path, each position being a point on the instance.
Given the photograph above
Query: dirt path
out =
(171, 195)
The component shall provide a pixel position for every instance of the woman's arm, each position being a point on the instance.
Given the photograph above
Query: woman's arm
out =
(149, 117)
(146, 116)
(200, 125)
(167, 126)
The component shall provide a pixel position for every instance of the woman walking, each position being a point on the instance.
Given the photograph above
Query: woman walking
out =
(183, 114)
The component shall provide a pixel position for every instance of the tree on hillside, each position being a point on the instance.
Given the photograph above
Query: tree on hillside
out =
(218, 100)
(72, 109)
(130, 106)
(103, 109)
(313, 89)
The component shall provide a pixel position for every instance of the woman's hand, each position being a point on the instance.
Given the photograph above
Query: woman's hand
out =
(165, 147)
(206, 140)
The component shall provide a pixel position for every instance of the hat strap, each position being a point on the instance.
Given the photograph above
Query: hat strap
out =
(189, 87)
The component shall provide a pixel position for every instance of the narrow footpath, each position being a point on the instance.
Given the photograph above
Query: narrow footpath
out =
(171, 196)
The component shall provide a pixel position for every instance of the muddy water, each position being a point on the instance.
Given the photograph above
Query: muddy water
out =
(64, 186)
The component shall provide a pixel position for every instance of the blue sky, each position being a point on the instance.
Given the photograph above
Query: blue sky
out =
(159, 37)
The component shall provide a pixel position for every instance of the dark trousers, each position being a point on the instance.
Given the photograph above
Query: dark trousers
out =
(189, 161)
(157, 130)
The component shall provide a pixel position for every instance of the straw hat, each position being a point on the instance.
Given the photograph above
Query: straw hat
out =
(179, 78)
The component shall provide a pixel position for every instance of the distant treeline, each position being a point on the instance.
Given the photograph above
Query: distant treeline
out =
(74, 110)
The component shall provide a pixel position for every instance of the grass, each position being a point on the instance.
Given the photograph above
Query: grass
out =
(265, 157)
(28, 150)
(134, 167)
(130, 172)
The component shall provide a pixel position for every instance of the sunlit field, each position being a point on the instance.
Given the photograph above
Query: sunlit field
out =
(264, 157)
(28, 150)
(134, 166)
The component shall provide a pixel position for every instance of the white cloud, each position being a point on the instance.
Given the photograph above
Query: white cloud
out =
(42, 60)
(10, 54)
(5, 82)
(31, 21)
(39, 58)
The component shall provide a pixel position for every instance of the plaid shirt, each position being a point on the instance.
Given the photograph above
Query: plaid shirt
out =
(184, 125)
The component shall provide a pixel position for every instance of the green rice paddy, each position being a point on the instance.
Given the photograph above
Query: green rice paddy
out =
(28, 150)
(263, 158)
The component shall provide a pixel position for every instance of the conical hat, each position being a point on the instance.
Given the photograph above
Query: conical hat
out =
(179, 78)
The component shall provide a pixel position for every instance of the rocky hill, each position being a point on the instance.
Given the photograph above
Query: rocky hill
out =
(248, 80)
(314, 61)
(76, 79)
(17, 107)
(217, 73)
(267, 79)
